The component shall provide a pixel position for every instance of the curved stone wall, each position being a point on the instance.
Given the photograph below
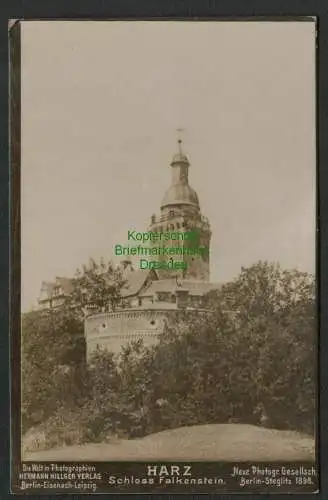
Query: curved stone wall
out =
(112, 330)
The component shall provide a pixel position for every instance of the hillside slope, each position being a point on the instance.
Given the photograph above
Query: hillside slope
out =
(224, 442)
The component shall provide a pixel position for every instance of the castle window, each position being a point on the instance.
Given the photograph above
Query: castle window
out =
(152, 322)
(139, 302)
(171, 213)
(178, 225)
(162, 296)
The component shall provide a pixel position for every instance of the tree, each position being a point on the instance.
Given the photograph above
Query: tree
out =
(53, 346)
(98, 287)
(252, 359)
(53, 353)
(273, 314)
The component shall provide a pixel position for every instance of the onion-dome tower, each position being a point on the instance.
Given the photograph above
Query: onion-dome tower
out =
(180, 212)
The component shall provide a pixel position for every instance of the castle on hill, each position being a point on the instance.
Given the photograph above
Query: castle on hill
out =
(151, 296)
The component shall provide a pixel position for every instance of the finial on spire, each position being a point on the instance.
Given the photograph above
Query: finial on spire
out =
(179, 157)
(180, 130)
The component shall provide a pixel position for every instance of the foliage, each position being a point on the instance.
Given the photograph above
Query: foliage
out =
(54, 376)
(251, 359)
(53, 354)
(97, 286)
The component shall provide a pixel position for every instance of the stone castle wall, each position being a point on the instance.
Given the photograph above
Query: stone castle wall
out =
(112, 330)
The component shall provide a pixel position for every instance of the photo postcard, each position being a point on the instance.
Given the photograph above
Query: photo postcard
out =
(164, 319)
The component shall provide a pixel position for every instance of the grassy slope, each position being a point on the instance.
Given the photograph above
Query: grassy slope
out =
(227, 442)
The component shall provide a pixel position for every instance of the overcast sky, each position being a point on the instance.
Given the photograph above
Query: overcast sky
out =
(101, 102)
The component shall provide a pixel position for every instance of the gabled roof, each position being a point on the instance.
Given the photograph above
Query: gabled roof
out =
(136, 281)
(46, 290)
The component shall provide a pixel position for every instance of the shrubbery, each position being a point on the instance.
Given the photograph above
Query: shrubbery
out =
(251, 360)
(53, 365)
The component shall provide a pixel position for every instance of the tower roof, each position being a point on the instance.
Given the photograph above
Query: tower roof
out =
(180, 193)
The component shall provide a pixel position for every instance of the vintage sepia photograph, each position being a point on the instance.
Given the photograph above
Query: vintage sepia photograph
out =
(168, 334)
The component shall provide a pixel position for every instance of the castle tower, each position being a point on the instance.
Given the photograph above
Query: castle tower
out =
(180, 212)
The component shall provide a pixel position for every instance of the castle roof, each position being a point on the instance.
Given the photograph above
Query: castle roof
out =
(136, 280)
(65, 283)
(180, 194)
(197, 288)
(48, 287)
